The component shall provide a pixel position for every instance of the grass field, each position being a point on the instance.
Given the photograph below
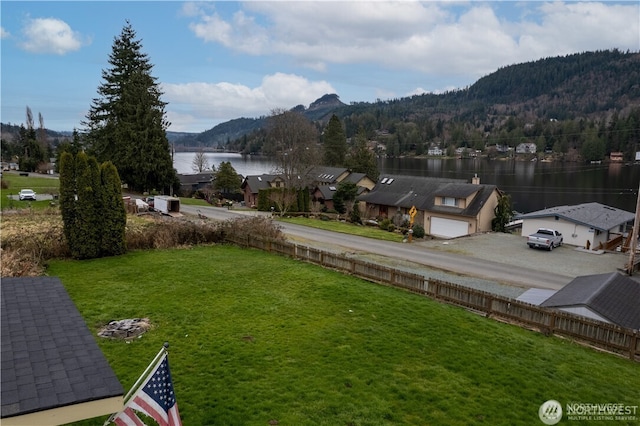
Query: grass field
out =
(14, 183)
(255, 337)
(345, 228)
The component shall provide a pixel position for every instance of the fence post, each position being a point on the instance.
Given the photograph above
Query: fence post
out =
(633, 346)
(489, 306)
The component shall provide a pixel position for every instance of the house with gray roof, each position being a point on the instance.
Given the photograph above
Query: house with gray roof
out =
(53, 371)
(589, 225)
(446, 208)
(611, 297)
(193, 182)
(322, 181)
(251, 186)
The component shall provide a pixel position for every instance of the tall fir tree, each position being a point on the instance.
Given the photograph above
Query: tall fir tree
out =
(126, 123)
(334, 143)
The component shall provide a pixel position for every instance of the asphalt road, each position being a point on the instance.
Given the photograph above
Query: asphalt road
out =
(406, 252)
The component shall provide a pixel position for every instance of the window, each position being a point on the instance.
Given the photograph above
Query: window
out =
(449, 201)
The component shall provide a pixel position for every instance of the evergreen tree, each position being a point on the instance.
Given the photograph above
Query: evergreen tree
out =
(33, 153)
(92, 208)
(355, 216)
(503, 213)
(68, 192)
(361, 159)
(87, 223)
(227, 180)
(72, 147)
(126, 124)
(114, 219)
(593, 148)
(345, 196)
(334, 143)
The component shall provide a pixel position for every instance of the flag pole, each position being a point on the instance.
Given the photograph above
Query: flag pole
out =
(146, 372)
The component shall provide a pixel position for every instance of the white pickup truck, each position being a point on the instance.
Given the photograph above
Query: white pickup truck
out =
(545, 238)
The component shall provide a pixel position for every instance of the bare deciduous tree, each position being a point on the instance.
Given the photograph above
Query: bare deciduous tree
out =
(292, 142)
(200, 162)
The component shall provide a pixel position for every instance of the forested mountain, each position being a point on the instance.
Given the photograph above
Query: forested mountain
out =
(585, 104)
(222, 134)
(557, 103)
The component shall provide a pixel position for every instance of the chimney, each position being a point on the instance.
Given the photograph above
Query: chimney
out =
(475, 180)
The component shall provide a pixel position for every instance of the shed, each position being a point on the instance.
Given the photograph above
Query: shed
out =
(52, 369)
(610, 297)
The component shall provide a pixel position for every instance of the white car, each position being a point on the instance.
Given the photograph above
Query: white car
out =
(27, 194)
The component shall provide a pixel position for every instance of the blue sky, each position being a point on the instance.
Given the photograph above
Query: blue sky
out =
(217, 61)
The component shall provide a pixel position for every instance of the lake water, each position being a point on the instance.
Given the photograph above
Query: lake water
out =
(531, 185)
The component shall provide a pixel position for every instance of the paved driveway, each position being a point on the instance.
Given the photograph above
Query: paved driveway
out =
(512, 249)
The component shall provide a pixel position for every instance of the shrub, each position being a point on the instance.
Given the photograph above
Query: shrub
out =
(259, 226)
(385, 223)
(418, 231)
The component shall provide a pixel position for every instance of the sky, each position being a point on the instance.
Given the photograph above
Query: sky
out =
(217, 61)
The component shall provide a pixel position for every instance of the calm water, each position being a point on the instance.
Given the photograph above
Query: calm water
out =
(532, 185)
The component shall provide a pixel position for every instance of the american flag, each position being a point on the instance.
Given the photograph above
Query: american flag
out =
(155, 398)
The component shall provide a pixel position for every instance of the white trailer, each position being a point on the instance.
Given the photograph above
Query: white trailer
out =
(167, 205)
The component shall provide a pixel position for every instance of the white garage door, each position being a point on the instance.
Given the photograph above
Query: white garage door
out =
(448, 228)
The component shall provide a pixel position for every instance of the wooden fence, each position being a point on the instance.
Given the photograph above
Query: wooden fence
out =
(599, 334)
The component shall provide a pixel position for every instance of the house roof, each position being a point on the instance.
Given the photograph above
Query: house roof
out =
(327, 191)
(613, 296)
(593, 215)
(325, 175)
(195, 178)
(257, 182)
(49, 357)
(407, 191)
(355, 177)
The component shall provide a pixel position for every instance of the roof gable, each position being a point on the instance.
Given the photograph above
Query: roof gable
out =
(593, 215)
(258, 182)
(612, 295)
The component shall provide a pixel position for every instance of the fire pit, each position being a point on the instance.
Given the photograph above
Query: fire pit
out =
(125, 329)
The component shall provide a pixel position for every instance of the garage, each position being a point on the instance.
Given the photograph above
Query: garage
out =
(448, 228)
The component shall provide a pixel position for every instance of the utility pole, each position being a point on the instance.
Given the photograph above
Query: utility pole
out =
(634, 236)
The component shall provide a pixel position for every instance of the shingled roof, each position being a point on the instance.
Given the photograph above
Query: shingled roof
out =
(407, 191)
(594, 215)
(258, 182)
(49, 357)
(612, 296)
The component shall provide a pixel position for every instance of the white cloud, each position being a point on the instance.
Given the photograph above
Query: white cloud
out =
(50, 35)
(213, 103)
(4, 33)
(440, 38)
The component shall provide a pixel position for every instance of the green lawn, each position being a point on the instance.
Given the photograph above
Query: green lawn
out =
(42, 185)
(15, 182)
(256, 337)
(345, 228)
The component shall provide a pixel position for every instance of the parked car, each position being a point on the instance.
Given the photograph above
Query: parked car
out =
(545, 238)
(27, 194)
